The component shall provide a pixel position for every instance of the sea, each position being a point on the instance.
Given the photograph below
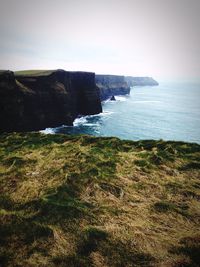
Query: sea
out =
(170, 111)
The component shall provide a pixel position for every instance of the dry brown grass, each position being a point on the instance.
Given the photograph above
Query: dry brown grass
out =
(84, 201)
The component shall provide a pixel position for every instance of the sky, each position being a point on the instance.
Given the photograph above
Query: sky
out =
(159, 38)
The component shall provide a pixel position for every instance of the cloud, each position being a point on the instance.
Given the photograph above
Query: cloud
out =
(136, 37)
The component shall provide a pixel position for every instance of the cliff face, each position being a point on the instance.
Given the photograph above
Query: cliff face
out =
(111, 85)
(47, 99)
(141, 81)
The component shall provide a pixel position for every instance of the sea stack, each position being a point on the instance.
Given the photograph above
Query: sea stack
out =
(110, 85)
(113, 98)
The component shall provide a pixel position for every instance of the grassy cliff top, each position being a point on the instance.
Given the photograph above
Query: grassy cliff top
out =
(33, 72)
(36, 73)
(87, 201)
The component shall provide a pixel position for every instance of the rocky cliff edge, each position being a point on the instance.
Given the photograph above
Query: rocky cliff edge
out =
(111, 85)
(140, 81)
(32, 101)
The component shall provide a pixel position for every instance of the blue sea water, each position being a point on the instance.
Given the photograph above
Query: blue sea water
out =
(170, 111)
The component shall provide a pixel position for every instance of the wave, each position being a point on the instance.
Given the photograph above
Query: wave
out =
(90, 121)
(48, 131)
(54, 130)
(105, 101)
(121, 98)
(106, 113)
(79, 121)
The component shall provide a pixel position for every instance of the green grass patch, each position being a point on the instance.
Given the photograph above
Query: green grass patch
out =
(86, 201)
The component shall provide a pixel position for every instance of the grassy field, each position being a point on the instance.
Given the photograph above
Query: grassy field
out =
(82, 201)
(33, 72)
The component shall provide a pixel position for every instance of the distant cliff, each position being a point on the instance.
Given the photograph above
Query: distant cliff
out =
(111, 85)
(141, 81)
(34, 101)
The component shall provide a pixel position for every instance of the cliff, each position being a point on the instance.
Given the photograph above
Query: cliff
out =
(111, 85)
(35, 100)
(140, 81)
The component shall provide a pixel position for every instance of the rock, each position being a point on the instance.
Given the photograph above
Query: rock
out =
(31, 102)
(110, 85)
(113, 98)
(140, 81)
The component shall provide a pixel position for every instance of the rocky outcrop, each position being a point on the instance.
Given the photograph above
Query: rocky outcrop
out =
(36, 101)
(113, 98)
(140, 81)
(111, 85)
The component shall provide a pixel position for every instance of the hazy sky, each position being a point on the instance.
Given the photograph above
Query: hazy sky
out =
(159, 38)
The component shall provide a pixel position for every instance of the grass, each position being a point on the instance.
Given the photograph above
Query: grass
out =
(87, 201)
(33, 72)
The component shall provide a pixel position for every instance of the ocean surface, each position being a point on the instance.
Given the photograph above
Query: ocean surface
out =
(170, 111)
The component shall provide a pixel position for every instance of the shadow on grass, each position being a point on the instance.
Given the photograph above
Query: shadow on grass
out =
(190, 166)
(114, 252)
(166, 206)
(190, 247)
